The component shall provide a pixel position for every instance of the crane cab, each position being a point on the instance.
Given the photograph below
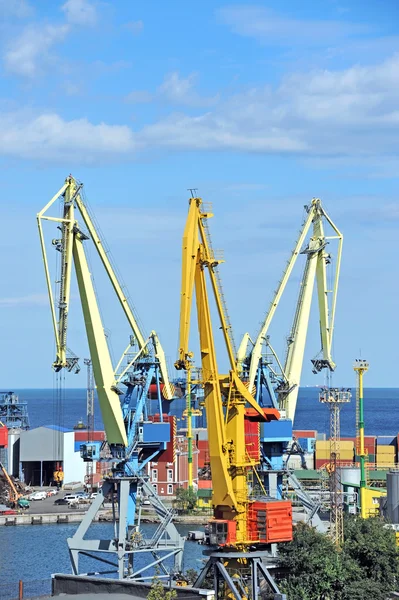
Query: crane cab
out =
(222, 532)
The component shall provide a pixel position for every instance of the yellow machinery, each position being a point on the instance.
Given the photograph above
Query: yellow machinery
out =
(15, 496)
(241, 520)
(317, 259)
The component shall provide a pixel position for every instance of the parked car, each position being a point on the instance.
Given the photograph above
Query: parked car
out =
(9, 511)
(70, 497)
(61, 501)
(52, 492)
(23, 503)
(38, 496)
(83, 495)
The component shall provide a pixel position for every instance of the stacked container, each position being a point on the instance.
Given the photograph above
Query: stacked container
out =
(386, 452)
(322, 455)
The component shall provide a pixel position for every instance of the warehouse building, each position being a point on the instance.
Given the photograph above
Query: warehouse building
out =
(43, 450)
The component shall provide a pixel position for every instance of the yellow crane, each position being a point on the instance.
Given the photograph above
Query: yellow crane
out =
(241, 520)
(315, 268)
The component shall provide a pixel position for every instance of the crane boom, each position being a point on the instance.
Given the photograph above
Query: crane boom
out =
(226, 397)
(315, 268)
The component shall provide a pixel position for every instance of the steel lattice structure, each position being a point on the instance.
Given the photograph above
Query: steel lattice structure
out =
(335, 398)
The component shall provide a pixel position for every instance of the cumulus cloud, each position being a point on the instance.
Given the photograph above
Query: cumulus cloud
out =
(269, 27)
(30, 50)
(180, 90)
(348, 113)
(49, 137)
(80, 12)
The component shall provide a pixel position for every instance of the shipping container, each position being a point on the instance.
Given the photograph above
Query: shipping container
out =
(279, 431)
(304, 433)
(386, 440)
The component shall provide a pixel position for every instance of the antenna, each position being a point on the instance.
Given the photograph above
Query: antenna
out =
(193, 192)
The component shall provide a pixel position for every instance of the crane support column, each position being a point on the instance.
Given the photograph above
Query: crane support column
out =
(361, 367)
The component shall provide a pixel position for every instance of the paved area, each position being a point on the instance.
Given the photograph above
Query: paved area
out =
(47, 506)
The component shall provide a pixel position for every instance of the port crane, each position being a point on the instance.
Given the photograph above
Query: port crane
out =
(132, 439)
(242, 529)
(277, 382)
(257, 365)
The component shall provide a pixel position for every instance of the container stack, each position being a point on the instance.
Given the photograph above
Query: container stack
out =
(386, 452)
(322, 455)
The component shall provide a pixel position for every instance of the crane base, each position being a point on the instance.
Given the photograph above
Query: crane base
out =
(117, 555)
(239, 574)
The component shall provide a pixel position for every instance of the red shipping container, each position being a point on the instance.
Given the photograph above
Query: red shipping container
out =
(96, 436)
(204, 484)
(305, 433)
(3, 436)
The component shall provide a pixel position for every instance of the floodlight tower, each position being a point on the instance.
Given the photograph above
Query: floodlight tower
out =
(361, 366)
(90, 419)
(335, 398)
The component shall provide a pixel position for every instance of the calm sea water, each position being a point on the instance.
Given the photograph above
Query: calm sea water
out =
(33, 552)
(381, 410)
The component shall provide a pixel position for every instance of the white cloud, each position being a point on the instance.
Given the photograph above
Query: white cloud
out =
(349, 113)
(134, 27)
(15, 8)
(30, 50)
(270, 28)
(48, 137)
(80, 12)
(180, 90)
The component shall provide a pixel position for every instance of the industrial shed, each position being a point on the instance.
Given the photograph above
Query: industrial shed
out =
(43, 449)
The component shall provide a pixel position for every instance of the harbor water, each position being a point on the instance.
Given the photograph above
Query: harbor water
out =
(33, 552)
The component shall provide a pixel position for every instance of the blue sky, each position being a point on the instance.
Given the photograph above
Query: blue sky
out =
(259, 106)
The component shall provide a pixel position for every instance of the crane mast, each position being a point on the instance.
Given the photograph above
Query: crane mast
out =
(315, 268)
(132, 440)
(240, 518)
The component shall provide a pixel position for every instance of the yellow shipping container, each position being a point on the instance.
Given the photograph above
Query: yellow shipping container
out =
(386, 449)
(325, 445)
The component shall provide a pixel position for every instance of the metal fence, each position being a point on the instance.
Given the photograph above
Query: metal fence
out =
(17, 590)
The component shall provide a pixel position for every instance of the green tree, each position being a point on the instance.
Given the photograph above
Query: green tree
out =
(366, 567)
(158, 592)
(186, 499)
(310, 564)
(369, 558)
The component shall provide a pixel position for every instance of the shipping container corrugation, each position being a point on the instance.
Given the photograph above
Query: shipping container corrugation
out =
(96, 436)
(388, 450)
(343, 455)
(324, 445)
(304, 433)
(270, 522)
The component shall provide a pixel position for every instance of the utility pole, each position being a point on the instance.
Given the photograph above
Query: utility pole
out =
(90, 419)
(361, 366)
(335, 398)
